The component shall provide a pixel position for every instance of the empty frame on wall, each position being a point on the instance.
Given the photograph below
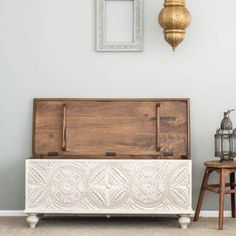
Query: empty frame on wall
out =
(119, 25)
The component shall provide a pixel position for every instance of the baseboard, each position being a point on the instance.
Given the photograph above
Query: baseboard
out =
(214, 213)
(202, 214)
(12, 213)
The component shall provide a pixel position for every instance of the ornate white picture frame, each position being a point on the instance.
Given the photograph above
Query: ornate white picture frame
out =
(137, 42)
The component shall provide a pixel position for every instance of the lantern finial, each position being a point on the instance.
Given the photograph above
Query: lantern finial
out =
(226, 123)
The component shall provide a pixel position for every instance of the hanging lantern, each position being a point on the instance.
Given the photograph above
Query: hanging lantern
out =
(174, 19)
(225, 139)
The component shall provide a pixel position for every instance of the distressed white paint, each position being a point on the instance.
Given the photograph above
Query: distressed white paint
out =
(137, 43)
(109, 187)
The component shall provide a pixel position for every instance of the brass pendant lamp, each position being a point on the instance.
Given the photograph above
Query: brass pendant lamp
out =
(174, 18)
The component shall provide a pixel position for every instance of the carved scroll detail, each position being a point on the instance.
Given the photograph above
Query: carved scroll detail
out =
(114, 186)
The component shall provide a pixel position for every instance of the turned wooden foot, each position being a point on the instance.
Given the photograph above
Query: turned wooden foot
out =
(184, 221)
(32, 220)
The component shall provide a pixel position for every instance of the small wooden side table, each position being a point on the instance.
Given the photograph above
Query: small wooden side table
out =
(223, 169)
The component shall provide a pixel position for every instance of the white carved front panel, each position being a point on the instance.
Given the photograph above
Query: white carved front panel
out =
(108, 186)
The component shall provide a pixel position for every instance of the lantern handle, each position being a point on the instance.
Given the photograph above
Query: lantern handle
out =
(228, 112)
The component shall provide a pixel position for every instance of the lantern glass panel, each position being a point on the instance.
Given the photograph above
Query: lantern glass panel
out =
(233, 144)
(218, 145)
(225, 144)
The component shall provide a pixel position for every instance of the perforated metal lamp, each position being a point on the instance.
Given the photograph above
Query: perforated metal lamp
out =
(225, 139)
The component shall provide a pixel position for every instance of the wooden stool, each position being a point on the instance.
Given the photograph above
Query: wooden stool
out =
(223, 169)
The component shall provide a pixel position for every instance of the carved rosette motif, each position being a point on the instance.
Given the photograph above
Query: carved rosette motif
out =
(67, 185)
(124, 186)
(147, 186)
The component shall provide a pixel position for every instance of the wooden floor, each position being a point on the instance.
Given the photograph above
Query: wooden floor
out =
(76, 226)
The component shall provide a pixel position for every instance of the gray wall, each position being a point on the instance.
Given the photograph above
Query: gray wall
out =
(47, 50)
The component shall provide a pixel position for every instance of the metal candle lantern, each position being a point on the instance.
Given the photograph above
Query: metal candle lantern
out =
(225, 139)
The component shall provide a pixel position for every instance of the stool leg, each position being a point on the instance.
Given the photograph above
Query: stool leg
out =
(232, 181)
(201, 195)
(221, 198)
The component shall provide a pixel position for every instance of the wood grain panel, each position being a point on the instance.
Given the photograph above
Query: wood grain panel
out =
(128, 127)
(47, 127)
(121, 127)
(174, 127)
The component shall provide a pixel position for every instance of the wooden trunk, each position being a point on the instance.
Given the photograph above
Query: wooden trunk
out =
(110, 157)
